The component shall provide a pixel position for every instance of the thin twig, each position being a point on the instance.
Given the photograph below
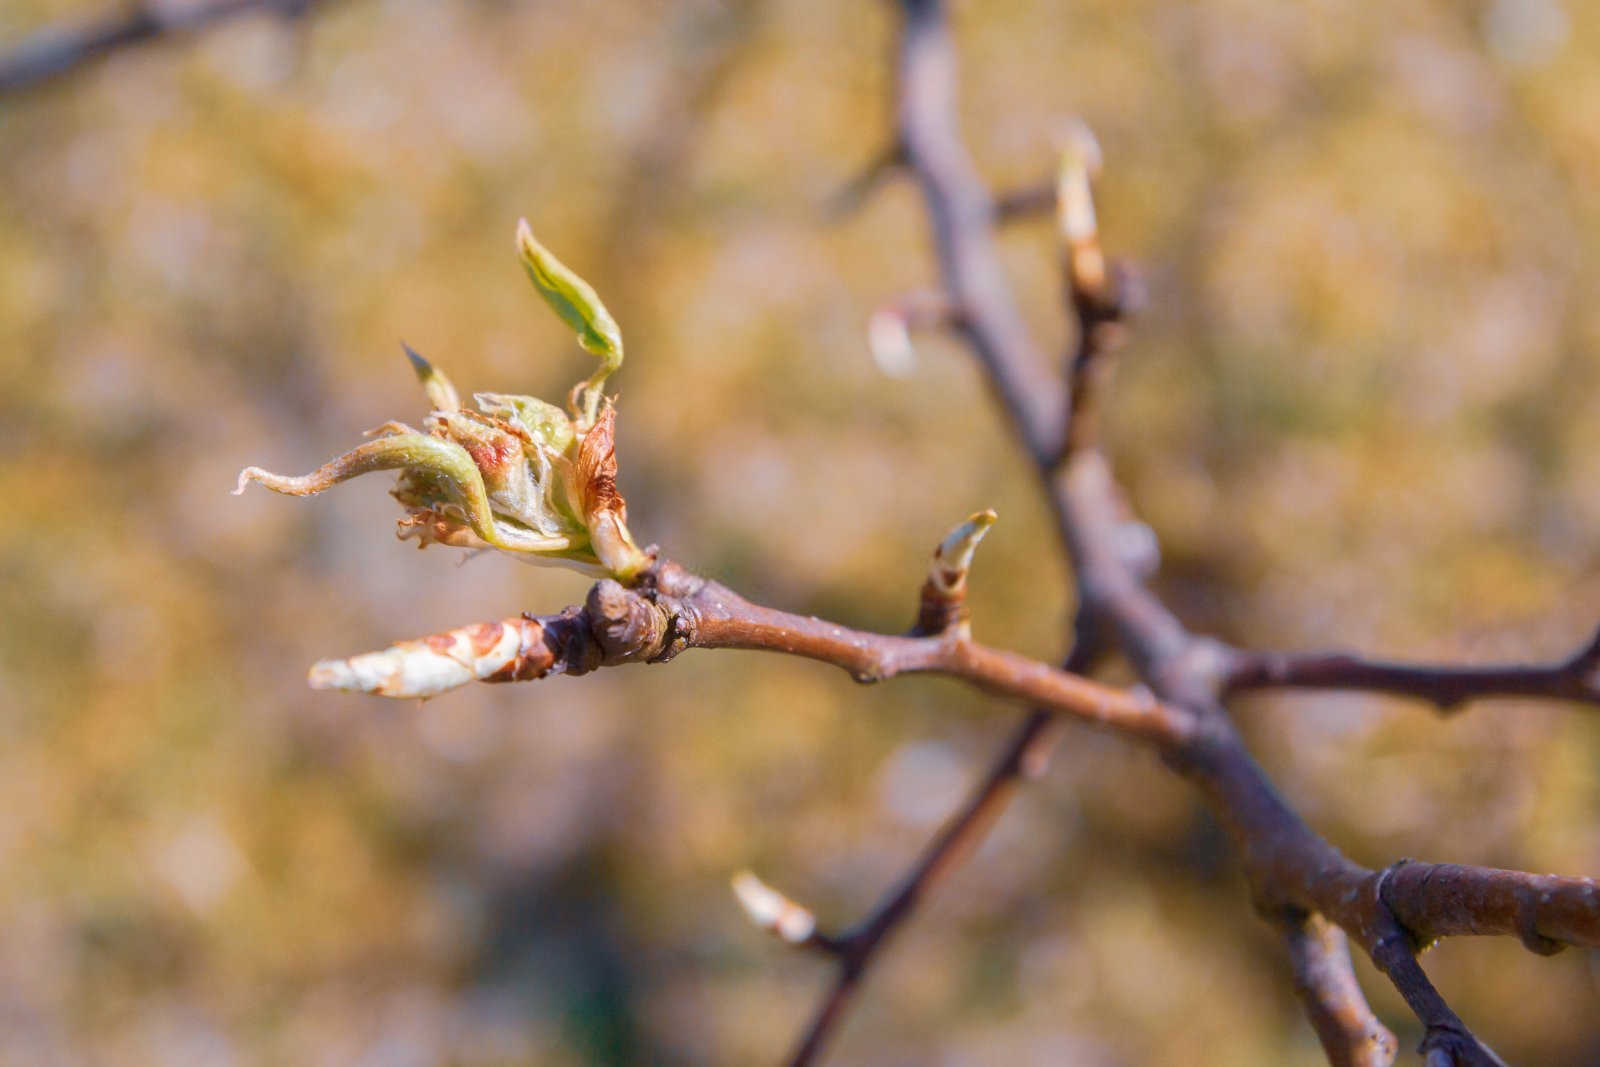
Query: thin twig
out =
(1576, 678)
(57, 51)
(854, 194)
(1324, 980)
(1027, 202)
(1023, 756)
(961, 211)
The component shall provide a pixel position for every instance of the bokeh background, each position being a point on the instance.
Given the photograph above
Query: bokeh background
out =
(1360, 411)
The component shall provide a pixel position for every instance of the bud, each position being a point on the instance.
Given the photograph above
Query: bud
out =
(889, 337)
(952, 557)
(942, 607)
(772, 911)
(509, 650)
(435, 386)
(1080, 162)
(516, 475)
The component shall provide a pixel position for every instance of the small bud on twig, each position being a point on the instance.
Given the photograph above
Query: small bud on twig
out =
(1075, 216)
(772, 911)
(889, 329)
(889, 337)
(579, 306)
(944, 594)
(505, 651)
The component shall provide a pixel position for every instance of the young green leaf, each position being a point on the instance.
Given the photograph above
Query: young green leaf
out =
(572, 298)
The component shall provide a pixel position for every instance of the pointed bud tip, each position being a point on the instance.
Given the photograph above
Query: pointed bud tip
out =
(953, 556)
(418, 364)
(1080, 147)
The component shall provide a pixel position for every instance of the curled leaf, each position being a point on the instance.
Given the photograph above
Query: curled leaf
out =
(393, 451)
(437, 473)
(579, 306)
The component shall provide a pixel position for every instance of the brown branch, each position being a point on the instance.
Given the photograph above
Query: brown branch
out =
(961, 211)
(1290, 868)
(1576, 678)
(1391, 912)
(57, 51)
(1325, 982)
(1446, 1040)
(673, 610)
(1028, 202)
(1024, 756)
(1546, 912)
(854, 194)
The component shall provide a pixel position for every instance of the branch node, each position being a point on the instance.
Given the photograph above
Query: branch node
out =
(1528, 903)
(1452, 1045)
(627, 627)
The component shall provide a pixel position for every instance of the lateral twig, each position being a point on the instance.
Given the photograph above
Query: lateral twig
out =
(1024, 755)
(57, 51)
(1576, 678)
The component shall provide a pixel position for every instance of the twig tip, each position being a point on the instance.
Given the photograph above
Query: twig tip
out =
(771, 910)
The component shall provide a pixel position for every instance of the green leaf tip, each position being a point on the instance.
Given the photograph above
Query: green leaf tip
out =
(570, 297)
(579, 306)
(440, 393)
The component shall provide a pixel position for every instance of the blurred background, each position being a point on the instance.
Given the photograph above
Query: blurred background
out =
(1360, 412)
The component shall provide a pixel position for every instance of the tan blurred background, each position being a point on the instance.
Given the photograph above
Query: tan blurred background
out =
(1361, 411)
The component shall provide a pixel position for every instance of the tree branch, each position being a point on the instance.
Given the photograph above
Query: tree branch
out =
(1576, 678)
(1326, 984)
(961, 211)
(1024, 755)
(672, 610)
(1546, 912)
(1026, 202)
(57, 51)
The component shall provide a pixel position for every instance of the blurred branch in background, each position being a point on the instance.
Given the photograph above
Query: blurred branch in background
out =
(1576, 679)
(60, 50)
(1026, 755)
